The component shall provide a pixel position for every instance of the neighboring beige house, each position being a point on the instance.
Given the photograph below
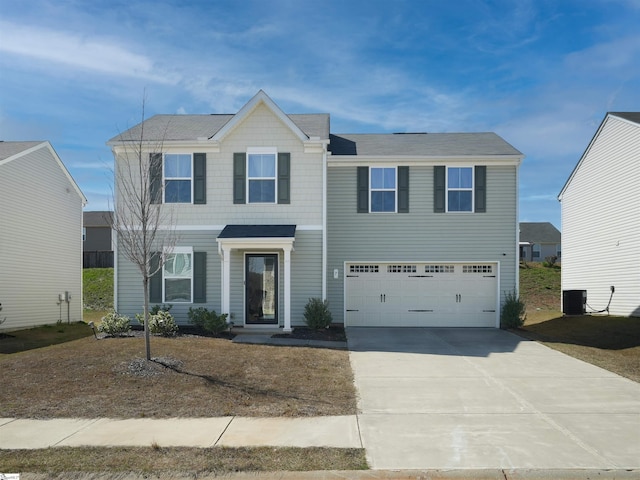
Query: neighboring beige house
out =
(272, 209)
(40, 237)
(539, 240)
(601, 218)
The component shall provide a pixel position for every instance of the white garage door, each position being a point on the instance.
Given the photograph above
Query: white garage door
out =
(421, 294)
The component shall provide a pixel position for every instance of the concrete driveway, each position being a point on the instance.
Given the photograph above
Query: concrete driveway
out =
(441, 398)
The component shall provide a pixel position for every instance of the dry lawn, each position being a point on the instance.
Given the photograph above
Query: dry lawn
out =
(612, 343)
(183, 462)
(191, 377)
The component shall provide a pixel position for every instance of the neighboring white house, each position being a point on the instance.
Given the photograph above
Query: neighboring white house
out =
(40, 237)
(601, 218)
(272, 209)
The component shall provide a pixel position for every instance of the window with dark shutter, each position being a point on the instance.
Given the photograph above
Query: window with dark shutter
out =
(239, 177)
(284, 178)
(199, 277)
(200, 178)
(363, 190)
(439, 188)
(155, 281)
(155, 177)
(403, 189)
(480, 189)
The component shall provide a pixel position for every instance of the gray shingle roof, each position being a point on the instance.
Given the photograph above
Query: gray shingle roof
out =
(631, 116)
(539, 232)
(432, 144)
(97, 219)
(258, 231)
(9, 149)
(191, 127)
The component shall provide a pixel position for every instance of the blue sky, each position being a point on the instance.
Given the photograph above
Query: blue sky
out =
(542, 74)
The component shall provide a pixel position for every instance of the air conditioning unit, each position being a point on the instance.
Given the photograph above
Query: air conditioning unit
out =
(574, 302)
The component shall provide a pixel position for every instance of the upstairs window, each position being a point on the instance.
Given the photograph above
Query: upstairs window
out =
(460, 189)
(383, 189)
(177, 178)
(261, 178)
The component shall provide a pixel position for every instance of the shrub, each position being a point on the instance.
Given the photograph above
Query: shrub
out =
(513, 312)
(114, 324)
(550, 261)
(160, 308)
(163, 323)
(208, 320)
(317, 314)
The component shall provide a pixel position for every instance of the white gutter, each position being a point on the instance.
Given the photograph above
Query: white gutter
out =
(324, 222)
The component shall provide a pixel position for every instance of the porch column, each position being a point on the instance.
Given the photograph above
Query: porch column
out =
(287, 289)
(226, 281)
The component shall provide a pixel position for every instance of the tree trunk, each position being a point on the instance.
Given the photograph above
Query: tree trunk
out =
(145, 313)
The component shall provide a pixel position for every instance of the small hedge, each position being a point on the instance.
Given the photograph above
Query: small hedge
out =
(513, 311)
(317, 314)
(208, 320)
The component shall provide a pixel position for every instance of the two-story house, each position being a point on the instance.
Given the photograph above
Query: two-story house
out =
(272, 209)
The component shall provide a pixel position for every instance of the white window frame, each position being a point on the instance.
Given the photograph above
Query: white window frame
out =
(84, 234)
(472, 189)
(176, 250)
(165, 178)
(394, 189)
(262, 151)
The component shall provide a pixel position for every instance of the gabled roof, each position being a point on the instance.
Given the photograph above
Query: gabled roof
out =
(633, 117)
(97, 219)
(160, 128)
(430, 144)
(539, 232)
(13, 151)
(9, 149)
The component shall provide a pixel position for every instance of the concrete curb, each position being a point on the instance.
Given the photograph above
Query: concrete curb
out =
(266, 339)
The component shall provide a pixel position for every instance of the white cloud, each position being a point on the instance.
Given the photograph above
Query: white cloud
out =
(96, 55)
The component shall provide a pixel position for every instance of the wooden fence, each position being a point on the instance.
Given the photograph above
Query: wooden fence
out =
(97, 259)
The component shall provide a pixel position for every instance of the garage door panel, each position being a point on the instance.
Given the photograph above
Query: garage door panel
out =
(421, 294)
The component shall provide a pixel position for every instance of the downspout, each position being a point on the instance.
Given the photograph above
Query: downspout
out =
(517, 242)
(324, 222)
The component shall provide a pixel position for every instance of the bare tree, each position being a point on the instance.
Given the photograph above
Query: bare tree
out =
(144, 226)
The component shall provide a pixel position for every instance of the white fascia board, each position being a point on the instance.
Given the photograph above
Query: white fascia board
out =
(409, 160)
(283, 243)
(200, 145)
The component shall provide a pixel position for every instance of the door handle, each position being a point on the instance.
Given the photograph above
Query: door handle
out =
(384, 297)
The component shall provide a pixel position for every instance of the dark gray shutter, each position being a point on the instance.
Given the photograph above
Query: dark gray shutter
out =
(239, 177)
(155, 281)
(363, 189)
(284, 178)
(480, 189)
(439, 188)
(199, 277)
(200, 178)
(155, 177)
(403, 189)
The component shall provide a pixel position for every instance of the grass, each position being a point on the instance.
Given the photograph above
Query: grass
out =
(44, 336)
(192, 377)
(612, 343)
(177, 461)
(97, 288)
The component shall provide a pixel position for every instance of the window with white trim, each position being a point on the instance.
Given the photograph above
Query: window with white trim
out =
(261, 175)
(459, 189)
(383, 189)
(177, 172)
(177, 276)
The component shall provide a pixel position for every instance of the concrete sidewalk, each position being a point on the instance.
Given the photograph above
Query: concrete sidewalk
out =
(338, 431)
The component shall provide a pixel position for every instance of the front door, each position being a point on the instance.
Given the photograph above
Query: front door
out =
(261, 289)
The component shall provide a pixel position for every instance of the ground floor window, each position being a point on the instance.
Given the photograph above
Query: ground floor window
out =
(177, 275)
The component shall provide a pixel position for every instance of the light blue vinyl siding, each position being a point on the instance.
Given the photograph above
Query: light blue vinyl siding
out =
(421, 234)
(306, 277)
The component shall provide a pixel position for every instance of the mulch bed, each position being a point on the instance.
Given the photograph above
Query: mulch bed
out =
(332, 334)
